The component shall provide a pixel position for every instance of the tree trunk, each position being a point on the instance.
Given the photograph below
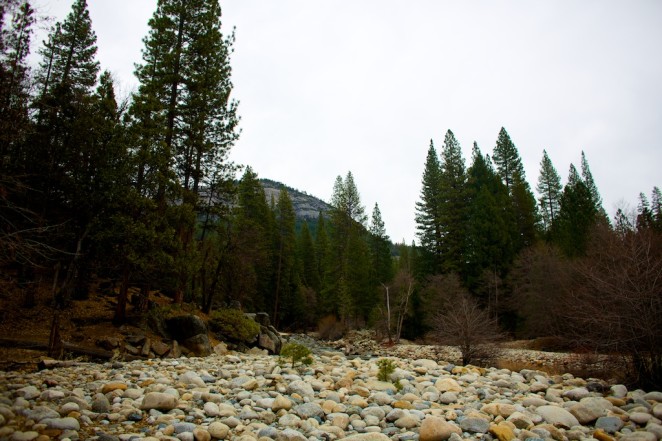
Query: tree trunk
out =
(55, 348)
(122, 297)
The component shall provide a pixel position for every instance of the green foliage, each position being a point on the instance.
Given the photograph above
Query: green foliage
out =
(234, 326)
(386, 368)
(296, 353)
(428, 212)
(549, 188)
(577, 216)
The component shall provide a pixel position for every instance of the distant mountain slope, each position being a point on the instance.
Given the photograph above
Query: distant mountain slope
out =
(306, 206)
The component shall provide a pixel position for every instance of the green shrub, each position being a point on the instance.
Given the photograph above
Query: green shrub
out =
(296, 353)
(233, 326)
(386, 368)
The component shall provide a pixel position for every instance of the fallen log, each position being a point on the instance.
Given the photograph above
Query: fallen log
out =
(66, 346)
(23, 343)
(49, 363)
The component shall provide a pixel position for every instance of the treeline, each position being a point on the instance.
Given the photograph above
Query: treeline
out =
(556, 266)
(139, 192)
(131, 190)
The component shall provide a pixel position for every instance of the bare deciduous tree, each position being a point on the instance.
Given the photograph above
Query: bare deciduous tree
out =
(539, 278)
(462, 322)
(615, 304)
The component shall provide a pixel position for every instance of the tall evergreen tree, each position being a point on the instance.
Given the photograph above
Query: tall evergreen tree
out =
(577, 216)
(587, 177)
(251, 279)
(307, 255)
(453, 204)
(488, 244)
(428, 213)
(510, 169)
(184, 122)
(286, 306)
(549, 188)
(64, 137)
(348, 268)
(656, 208)
(507, 159)
(324, 267)
(380, 251)
(14, 78)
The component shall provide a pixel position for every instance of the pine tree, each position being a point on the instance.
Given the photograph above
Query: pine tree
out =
(577, 216)
(510, 169)
(549, 188)
(63, 143)
(184, 123)
(656, 208)
(587, 177)
(14, 79)
(507, 159)
(252, 276)
(324, 267)
(453, 204)
(348, 268)
(380, 252)
(488, 244)
(310, 276)
(286, 307)
(526, 214)
(428, 215)
(69, 63)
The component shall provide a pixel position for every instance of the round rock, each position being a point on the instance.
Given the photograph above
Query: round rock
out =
(435, 428)
(557, 416)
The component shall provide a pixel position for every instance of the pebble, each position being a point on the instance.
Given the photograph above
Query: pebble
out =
(250, 396)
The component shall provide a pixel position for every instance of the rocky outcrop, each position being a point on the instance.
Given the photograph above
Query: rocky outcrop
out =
(268, 338)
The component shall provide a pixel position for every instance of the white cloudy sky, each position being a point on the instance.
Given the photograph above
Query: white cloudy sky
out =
(326, 87)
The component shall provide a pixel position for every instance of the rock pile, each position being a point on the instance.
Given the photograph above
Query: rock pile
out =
(250, 396)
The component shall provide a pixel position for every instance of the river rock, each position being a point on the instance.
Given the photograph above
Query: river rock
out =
(653, 396)
(435, 428)
(609, 424)
(159, 401)
(474, 425)
(502, 431)
(638, 436)
(447, 385)
(66, 423)
(557, 416)
(586, 412)
(301, 388)
(190, 377)
(368, 437)
(218, 430)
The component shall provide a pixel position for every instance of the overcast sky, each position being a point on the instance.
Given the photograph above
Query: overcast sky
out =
(326, 87)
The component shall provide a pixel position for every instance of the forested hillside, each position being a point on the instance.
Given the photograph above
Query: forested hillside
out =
(140, 193)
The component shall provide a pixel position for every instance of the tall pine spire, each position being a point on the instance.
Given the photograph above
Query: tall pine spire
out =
(428, 212)
(549, 188)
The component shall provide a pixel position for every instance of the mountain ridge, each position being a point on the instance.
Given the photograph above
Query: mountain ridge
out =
(306, 206)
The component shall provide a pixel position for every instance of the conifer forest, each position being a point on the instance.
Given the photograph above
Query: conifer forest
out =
(139, 194)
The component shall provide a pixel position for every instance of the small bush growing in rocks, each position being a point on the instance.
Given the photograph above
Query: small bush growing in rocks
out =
(386, 368)
(296, 353)
(232, 325)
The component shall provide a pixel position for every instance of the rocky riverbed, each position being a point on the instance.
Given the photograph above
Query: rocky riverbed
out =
(251, 396)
